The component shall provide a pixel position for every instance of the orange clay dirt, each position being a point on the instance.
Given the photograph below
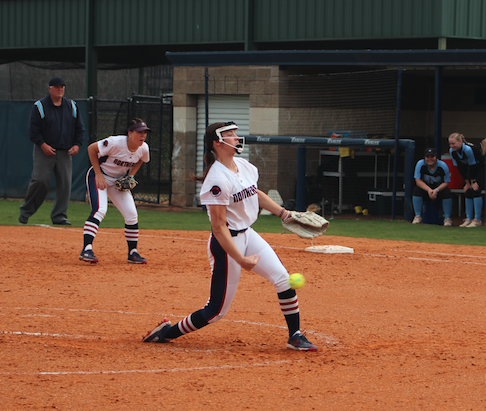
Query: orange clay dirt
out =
(399, 326)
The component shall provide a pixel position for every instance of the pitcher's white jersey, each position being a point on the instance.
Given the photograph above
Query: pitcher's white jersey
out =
(116, 159)
(238, 192)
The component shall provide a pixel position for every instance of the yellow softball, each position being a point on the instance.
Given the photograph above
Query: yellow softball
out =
(296, 281)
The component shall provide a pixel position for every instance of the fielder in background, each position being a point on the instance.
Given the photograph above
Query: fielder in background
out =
(112, 159)
(231, 195)
(432, 178)
(57, 131)
(469, 161)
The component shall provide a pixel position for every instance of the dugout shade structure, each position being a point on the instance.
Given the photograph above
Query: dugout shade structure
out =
(399, 145)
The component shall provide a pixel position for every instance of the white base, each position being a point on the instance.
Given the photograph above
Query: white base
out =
(329, 249)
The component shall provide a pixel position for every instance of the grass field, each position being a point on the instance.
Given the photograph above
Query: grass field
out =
(160, 218)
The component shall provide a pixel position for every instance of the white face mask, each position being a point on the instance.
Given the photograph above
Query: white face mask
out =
(231, 126)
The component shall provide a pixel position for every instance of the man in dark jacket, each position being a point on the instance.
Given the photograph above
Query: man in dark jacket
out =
(57, 131)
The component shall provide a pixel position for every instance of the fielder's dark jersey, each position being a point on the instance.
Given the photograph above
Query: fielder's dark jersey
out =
(468, 161)
(433, 178)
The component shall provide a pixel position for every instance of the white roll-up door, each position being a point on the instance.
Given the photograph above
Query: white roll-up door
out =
(222, 108)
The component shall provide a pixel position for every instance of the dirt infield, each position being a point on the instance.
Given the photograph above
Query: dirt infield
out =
(399, 326)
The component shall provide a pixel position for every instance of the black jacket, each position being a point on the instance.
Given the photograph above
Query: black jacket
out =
(60, 127)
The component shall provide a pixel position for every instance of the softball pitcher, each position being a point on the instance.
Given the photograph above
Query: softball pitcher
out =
(232, 197)
(111, 159)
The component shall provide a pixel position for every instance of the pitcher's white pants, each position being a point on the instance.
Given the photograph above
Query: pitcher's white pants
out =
(226, 271)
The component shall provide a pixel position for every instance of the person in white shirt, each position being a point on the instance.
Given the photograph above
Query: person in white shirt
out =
(230, 193)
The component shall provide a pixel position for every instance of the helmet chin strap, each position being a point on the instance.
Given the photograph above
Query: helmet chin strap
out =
(238, 148)
(230, 126)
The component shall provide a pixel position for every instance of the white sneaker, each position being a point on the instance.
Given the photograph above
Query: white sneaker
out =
(474, 223)
(417, 220)
(447, 222)
(466, 222)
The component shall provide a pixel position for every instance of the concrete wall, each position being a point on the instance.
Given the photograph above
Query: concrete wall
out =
(184, 150)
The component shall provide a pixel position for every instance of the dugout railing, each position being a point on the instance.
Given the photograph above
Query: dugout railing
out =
(283, 168)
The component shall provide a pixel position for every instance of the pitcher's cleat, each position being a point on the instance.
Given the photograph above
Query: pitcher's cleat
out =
(88, 256)
(136, 258)
(157, 334)
(300, 343)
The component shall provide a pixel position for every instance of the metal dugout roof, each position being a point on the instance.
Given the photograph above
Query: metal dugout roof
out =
(432, 58)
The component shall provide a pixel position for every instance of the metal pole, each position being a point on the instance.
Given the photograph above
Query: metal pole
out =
(161, 131)
(91, 52)
(206, 102)
(170, 132)
(141, 81)
(438, 111)
(397, 136)
(301, 160)
(206, 113)
(206, 94)
(340, 185)
(408, 169)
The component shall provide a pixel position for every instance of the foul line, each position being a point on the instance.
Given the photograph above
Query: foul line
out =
(85, 311)
(172, 348)
(221, 367)
(447, 254)
(53, 335)
(328, 339)
(109, 233)
(424, 259)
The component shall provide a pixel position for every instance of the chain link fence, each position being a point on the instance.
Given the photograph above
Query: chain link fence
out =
(110, 117)
(123, 93)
